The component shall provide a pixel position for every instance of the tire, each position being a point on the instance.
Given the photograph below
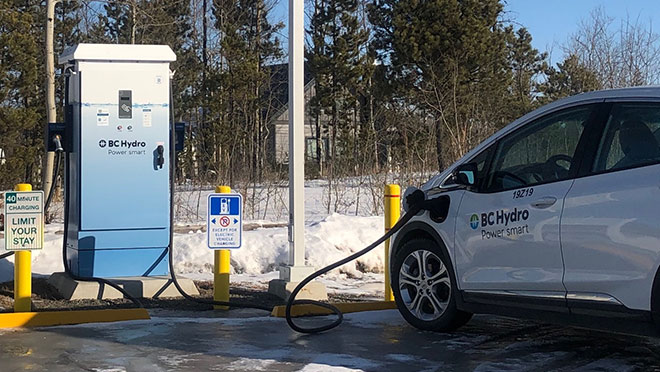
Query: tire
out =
(426, 300)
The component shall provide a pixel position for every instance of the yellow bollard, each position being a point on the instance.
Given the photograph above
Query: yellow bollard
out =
(392, 213)
(221, 267)
(23, 271)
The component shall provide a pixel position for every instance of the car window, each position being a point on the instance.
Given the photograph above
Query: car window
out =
(630, 138)
(481, 161)
(540, 152)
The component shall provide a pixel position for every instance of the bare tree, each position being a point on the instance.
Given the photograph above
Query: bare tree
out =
(51, 110)
(627, 55)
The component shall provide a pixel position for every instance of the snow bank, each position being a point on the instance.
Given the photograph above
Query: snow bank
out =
(327, 241)
(333, 238)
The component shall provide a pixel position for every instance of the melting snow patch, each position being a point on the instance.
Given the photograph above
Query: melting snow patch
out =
(401, 357)
(607, 364)
(248, 364)
(375, 319)
(314, 367)
(345, 360)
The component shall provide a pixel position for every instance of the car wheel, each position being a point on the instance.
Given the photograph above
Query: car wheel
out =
(424, 287)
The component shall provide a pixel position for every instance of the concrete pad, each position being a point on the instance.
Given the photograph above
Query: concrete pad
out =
(156, 286)
(312, 291)
(79, 290)
(141, 287)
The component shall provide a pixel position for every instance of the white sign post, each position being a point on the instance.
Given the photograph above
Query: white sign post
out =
(24, 220)
(224, 222)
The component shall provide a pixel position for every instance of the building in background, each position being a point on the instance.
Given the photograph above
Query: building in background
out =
(278, 119)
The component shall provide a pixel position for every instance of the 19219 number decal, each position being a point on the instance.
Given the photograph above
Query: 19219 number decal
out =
(523, 193)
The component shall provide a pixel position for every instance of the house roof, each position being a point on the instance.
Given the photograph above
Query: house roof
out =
(279, 84)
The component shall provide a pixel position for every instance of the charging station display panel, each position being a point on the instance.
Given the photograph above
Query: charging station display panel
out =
(124, 146)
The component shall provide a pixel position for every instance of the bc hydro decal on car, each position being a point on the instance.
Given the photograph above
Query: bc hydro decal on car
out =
(496, 224)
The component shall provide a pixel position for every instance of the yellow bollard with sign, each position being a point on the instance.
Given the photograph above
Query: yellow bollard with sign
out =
(221, 267)
(24, 232)
(392, 199)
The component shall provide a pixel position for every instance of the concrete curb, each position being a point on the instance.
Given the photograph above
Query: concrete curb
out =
(344, 307)
(53, 318)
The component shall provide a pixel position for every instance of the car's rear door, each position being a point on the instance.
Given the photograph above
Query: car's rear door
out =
(610, 228)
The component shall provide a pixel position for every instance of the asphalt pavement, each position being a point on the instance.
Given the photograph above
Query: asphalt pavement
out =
(245, 340)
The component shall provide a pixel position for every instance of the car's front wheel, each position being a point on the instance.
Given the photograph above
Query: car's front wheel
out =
(424, 288)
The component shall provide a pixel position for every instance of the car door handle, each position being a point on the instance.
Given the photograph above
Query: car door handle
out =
(544, 202)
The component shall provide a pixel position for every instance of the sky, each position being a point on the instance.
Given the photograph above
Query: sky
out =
(550, 22)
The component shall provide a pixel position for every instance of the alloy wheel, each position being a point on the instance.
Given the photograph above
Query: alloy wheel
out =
(424, 285)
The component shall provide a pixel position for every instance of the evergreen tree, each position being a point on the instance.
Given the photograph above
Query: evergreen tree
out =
(526, 65)
(339, 64)
(569, 78)
(449, 57)
(337, 60)
(248, 43)
(22, 108)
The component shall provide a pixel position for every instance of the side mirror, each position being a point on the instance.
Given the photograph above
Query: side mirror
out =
(466, 174)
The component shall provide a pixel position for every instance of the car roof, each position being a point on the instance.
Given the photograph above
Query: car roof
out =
(651, 92)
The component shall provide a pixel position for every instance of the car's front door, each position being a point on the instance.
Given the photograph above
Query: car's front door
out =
(507, 228)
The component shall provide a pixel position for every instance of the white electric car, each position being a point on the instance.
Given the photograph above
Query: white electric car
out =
(555, 217)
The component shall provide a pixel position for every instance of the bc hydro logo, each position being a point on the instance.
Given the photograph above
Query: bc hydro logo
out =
(474, 221)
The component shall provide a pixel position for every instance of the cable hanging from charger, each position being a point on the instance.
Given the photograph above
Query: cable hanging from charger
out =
(417, 202)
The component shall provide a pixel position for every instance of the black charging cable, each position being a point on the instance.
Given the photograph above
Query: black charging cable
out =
(57, 140)
(417, 202)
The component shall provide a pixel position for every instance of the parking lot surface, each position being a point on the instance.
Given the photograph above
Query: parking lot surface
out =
(242, 340)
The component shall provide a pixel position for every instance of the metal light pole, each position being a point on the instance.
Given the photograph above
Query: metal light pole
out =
(296, 271)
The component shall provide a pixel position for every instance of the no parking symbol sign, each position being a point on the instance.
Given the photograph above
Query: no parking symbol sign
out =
(224, 224)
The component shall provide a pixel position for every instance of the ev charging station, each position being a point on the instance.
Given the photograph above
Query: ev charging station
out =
(118, 175)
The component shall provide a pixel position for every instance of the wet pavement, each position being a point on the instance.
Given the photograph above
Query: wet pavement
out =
(373, 341)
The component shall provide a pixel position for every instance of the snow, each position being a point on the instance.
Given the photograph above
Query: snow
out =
(250, 364)
(315, 367)
(328, 238)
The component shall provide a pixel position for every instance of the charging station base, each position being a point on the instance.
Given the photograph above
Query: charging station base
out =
(140, 286)
(312, 291)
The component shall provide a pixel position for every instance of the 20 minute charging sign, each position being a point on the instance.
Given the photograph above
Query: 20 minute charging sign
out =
(24, 220)
(224, 224)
